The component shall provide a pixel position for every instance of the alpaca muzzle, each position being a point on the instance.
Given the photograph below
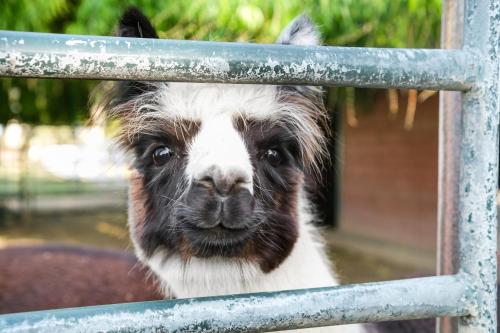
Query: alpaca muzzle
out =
(217, 215)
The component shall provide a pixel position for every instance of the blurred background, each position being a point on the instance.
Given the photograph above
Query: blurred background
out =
(63, 181)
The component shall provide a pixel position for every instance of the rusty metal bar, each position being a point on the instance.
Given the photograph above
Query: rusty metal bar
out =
(40, 55)
(450, 116)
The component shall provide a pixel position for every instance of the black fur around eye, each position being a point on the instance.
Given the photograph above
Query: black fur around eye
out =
(162, 155)
(273, 156)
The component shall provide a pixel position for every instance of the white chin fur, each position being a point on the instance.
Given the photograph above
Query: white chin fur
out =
(306, 267)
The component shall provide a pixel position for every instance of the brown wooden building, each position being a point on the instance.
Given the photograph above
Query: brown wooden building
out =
(389, 175)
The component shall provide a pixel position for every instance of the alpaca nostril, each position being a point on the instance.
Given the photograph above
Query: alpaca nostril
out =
(207, 182)
(221, 187)
(222, 184)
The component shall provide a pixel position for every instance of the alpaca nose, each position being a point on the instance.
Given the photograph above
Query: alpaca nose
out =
(219, 199)
(224, 183)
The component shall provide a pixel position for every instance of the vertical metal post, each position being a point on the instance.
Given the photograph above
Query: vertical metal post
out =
(450, 115)
(477, 223)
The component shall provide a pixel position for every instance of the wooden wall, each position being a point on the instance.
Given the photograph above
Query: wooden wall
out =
(389, 174)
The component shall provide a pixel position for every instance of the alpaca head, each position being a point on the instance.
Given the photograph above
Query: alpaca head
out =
(218, 168)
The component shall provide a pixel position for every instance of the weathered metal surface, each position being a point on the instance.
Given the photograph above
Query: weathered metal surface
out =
(477, 226)
(403, 299)
(474, 69)
(41, 55)
(450, 116)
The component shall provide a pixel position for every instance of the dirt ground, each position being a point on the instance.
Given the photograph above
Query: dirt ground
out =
(107, 229)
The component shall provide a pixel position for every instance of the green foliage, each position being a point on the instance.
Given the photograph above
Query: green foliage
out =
(54, 102)
(33, 15)
(377, 23)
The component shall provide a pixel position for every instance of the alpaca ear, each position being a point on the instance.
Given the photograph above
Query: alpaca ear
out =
(301, 31)
(134, 23)
(115, 99)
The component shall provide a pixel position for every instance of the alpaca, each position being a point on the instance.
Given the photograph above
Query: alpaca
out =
(218, 200)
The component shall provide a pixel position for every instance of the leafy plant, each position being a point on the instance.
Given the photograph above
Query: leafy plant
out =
(375, 23)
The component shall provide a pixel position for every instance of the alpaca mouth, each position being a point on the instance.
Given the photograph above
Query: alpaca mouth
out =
(218, 241)
(216, 224)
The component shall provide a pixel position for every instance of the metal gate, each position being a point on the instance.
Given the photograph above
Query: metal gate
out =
(468, 169)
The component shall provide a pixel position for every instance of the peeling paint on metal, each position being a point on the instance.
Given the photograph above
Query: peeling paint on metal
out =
(404, 299)
(474, 70)
(75, 42)
(477, 229)
(84, 57)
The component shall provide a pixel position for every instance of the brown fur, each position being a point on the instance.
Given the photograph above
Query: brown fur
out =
(276, 242)
(137, 198)
(316, 126)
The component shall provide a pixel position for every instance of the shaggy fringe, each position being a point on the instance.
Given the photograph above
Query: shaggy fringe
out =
(299, 108)
(305, 112)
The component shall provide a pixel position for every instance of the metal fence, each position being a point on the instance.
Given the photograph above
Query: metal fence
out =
(468, 169)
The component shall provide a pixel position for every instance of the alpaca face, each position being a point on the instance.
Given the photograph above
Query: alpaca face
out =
(218, 168)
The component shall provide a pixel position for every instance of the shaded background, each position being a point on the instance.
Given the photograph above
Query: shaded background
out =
(64, 182)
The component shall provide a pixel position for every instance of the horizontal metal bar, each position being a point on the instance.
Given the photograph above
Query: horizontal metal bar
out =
(41, 55)
(392, 300)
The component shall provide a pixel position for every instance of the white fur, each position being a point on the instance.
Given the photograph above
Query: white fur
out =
(219, 145)
(203, 102)
(306, 267)
(301, 31)
(199, 101)
(219, 148)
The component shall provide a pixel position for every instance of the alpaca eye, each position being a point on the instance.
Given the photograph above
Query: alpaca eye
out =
(273, 157)
(162, 155)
